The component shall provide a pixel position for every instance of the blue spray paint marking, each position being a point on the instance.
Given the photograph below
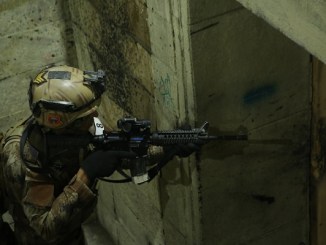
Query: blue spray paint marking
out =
(258, 94)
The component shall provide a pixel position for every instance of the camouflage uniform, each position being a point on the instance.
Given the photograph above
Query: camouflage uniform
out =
(46, 208)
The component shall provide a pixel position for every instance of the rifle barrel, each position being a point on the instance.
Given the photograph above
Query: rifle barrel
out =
(226, 137)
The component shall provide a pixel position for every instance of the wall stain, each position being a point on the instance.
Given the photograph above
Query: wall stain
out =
(263, 198)
(109, 50)
(258, 94)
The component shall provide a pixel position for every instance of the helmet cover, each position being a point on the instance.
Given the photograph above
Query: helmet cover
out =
(59, 95)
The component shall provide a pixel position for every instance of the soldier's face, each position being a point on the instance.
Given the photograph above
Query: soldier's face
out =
(80, 126)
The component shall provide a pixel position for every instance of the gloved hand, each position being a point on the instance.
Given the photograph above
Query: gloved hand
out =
(104, 163)
(184, 150)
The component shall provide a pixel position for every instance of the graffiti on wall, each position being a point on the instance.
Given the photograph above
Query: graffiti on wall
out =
(164, 89)
(259, 93)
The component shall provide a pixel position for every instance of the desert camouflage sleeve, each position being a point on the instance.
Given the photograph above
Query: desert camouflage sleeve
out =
(46, 214)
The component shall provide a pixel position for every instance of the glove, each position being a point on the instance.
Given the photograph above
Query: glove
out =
(104, 163)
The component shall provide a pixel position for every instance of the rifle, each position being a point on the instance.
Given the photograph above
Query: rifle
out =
(136, 136)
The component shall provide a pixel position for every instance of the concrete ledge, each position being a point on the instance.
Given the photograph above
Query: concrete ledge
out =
(302, 21)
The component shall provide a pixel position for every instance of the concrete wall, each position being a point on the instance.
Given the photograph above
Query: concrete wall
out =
(32, 35)
(250, 77)
(318, 183)
(143, 47)
(107, 38)
(172, 73)
(301, 20)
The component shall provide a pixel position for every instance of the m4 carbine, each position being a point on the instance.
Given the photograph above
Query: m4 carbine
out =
(136, 136)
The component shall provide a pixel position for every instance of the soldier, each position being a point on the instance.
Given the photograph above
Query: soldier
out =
(49, 189)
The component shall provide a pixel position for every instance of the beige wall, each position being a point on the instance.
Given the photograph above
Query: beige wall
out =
(174, 106)
(32, 35)
(303, 21)
(250, 77)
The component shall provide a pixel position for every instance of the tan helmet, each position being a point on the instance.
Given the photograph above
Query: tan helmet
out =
(60, 95)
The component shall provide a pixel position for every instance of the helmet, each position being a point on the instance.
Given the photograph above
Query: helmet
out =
(60, 95)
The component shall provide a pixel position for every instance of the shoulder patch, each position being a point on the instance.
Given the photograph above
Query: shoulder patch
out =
(39, 79)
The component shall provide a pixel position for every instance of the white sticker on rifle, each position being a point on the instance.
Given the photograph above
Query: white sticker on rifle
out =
(99, 128)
